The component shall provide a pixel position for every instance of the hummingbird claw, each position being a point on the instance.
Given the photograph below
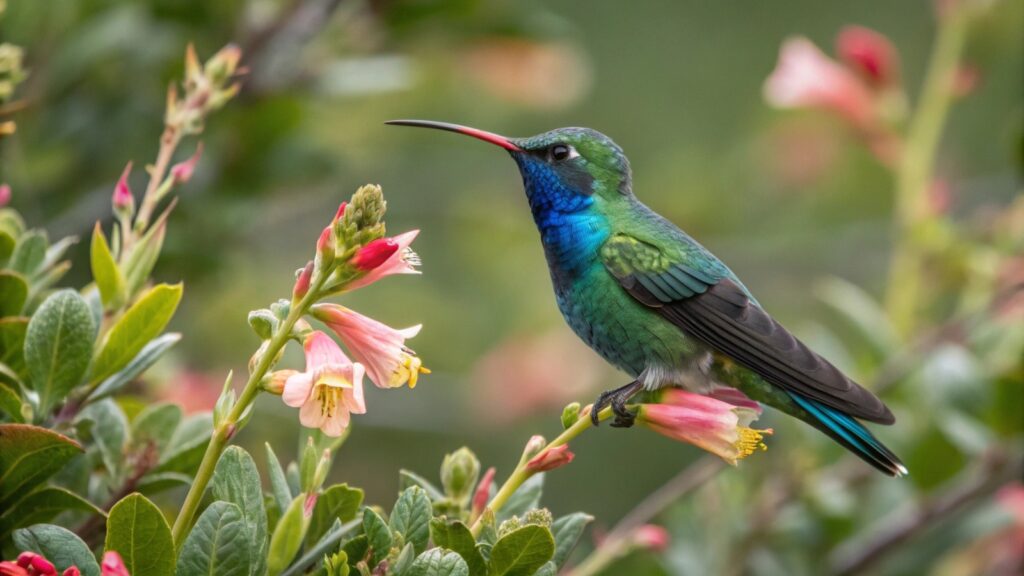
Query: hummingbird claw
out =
(617, 399)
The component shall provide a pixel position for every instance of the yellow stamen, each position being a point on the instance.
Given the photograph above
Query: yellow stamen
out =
(750, 441)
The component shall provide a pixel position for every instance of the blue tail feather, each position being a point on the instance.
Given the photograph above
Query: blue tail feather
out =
(852, 435)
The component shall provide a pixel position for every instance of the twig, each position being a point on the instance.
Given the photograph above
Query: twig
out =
(902, 525)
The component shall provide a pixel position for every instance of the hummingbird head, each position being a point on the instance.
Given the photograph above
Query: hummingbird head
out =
(564, 170)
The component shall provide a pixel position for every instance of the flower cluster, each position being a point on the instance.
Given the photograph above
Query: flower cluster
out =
(32, 564)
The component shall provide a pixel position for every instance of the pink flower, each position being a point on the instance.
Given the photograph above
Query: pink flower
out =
(550, 459)
(483, 491)
(870, 54)
(651, 537)
(182, 171)
(716, 426)
(381, 348)
(805, 77)
(71, 571)
(329, 391)
(8, 568)
(402, 260)
(374, 253)
(112, 565)
(36, 565)
(302, 282)
(123, 200)
(5, 194)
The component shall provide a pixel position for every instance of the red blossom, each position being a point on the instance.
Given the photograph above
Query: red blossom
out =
(651, 537)
(182, 171)
(8, 568)
(113, 565)
(374, 254)
(483, 490)
(123, 199)
(5, 194)
(870, 54)
(341, 210)
(550, 459)
(302, 282)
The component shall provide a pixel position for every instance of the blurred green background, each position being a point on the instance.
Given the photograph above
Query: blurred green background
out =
(788, 199)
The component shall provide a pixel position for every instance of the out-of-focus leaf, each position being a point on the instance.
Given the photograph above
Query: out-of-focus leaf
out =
(339, 502)
(236, 480)
(158, 482)
(567, 531)
(378, 535)
(59, 545)
(407, 478)
(29, 252)
(109, 429)
(105, 271)
(526, 498)
(57, 250)
(155, 425)
(287, 537)
(12, 342)
(548, 569)
(219, 544)
(150, 353)
(28, 456)
(13, 293)
(137, 530)
(7, 242)
(438, 562)
(142, 322)
(456, 536)
(522, 552)
(10, 402)
(42, 506)
(861, 312)
(187, 444)
(58, 346)
(144, 254)
(356, 549)
(278, 483)
(411, 517)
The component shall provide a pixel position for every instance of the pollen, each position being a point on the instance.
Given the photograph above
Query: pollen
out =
(751, 441)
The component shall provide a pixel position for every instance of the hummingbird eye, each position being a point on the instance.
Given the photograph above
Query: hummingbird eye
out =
(560, 152)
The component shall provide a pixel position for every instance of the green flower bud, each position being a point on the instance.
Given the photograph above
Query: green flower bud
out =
(570, 414)
(459, 473)
(540, 517)
(263, 323)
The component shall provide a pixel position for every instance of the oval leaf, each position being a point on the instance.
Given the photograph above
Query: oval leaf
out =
(218, 545)
(58, 345)
(107, 425)
(411, 517)
(150, 353)
(42, 506)
(438, 562)
(105, 271)
(29, 253)
(378, 536)
(236, 480)
(567, 531)
(59, 545)
(28, 456)
(339, 502)
(457, 537)
(288, 535)
(12, 342)
(522, 552)
(139, 533)
(144, 321)
(13, 293)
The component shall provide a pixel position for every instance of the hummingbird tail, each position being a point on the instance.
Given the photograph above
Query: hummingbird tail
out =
(847, 431)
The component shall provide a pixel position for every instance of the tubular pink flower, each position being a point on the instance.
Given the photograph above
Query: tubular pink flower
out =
(716, 426)
(550, 459)
(806, 78)
(9, 568)
(302, 282)
(329, 391)
(182, 171)
(651, 537)
(401, 261)
(483, 491)
(122, 198)
(71, 571)
(379, 347)
(113, 565)
(870, 54)
(374, 254)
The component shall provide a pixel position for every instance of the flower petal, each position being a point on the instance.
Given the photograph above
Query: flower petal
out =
(296, 389)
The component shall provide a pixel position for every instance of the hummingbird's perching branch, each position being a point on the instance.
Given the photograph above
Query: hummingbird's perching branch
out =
(914, 218)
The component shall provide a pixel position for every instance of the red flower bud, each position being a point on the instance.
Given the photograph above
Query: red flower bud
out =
(651, 537)
(72, 571)
(374, 254)
(341, 210)
(5, 194)
(123, 199)
(8, 568)
(113, 565)
(302, 282)
(550, 459)
(182, 171)
(483, 491)
(870, 54)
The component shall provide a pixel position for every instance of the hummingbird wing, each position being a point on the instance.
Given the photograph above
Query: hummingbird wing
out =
(690, 288)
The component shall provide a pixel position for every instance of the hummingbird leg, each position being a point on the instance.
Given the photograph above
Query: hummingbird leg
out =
(617, 398)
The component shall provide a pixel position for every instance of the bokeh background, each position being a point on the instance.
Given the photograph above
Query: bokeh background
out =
(793, 201)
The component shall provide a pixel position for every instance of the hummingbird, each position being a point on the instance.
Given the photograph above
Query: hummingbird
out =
(658, 305)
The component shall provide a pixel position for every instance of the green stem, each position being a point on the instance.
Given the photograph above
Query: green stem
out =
(913, 177)
(522, 473)
(224, 431)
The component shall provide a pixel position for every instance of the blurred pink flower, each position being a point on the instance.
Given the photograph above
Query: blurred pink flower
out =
(379, 347)
(112, 565)
(550, 459)
(806, 78)
(182, 171)
(402, 260)
(870, 54)
(122, 200)
(71, 571)
(329, 390)
(193, 391)
(36, 564)
(719, 427)
(5, 195)
(651, 537)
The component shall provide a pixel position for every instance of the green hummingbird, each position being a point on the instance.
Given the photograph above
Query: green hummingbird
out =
(659, 306)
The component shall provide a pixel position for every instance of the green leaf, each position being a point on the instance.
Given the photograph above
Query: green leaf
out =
(10, 402)
(548, 569)
(522, 552)
(339, 502)
(109, 429)
(287, 537)
(407, 478)
(42, 506)
(139, 533)
(109, 279)
(12, 342)
(58, 345)
(13, 293)
(860, 311)
(438, 562)
(144, 254)
(158, 482)
(59, 545)
(404, 561)
(218, 545)
(278, 483)
(411, 517)
(141, 323)
(29, 252)
(567, 531)
(236, 480)
(524, 499)
(457, 537)
(28, 456)
(187, 444)
(356, 549)
(155, 425)
(150, 353)
(7, 242)
(378, 535)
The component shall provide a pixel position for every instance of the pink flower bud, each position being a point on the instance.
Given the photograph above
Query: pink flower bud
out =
(309, 504)
(182, 171)
(123, 199)
(341, 210)
(651, 537)
(36, 564)
(275, 384)
(302, 282)
(5, 194)
(112, 565)
(550, 459)
(25, 559)
(534, 445)
(8, 568)
(870, 54)
(72, 571)
(374, 254)
(483, 491)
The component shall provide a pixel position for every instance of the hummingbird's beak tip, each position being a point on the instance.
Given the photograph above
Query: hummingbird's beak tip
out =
(495, 139)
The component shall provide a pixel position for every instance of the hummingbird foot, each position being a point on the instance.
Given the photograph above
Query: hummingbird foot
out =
(617, 399)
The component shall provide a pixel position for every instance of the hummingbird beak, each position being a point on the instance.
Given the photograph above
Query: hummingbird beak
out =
(478, 134)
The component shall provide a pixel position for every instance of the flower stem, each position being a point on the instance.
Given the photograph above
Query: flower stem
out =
(913, 215)
(223, 431)
(522, 474)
